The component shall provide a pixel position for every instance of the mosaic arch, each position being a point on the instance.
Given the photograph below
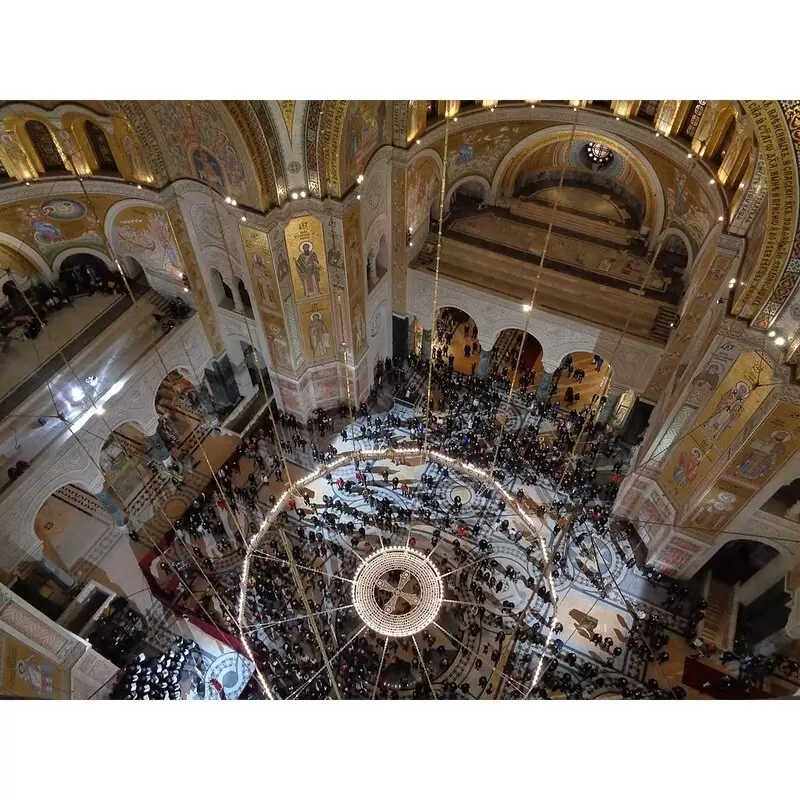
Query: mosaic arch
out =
(340, 138)
(423, 184)
(639, 171)
(199, 140)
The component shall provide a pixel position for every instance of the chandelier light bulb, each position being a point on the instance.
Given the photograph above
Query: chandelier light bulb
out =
(772, 334)
(295, 195)
(780, 341)
(303, 193)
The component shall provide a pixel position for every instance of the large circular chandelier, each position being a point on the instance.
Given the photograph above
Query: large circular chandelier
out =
(599, 153)
(397, 591)
(413, 583)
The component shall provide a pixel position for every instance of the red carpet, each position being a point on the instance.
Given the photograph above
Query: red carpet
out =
(696, 673)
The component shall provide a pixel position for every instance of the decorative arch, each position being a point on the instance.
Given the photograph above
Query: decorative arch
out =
(257, 127)
(350, 143)
(59, 259)
(115, 210)
(421, 189)
(667, 232)
(479, 179)
(655, 210)
(785, 553)
(30, 254)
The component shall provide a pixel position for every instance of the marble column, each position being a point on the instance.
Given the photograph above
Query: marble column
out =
(111, 507)
(793, 623)
(608, 409)
(483, 364)
(237, 297)
(53, 569)
(426, 344)
(543, 391)
(159, 449)
(243, 380)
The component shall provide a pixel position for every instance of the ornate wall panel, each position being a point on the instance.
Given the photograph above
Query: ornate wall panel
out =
(399, 249)
(356, 282)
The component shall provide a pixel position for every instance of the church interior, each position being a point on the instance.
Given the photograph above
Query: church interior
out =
(399, 399)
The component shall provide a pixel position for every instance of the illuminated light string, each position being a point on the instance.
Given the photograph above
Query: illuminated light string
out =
(284, 539)
(99, 411)
(477, 473)
(436, 277)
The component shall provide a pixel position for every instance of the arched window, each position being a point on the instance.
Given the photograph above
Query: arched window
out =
(728, 137)
(648, 109)
(101, 149)
(431, 111)
(45, 146)
(693, 118)
(3, 172)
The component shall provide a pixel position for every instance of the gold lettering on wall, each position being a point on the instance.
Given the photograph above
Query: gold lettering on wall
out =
(780, 172)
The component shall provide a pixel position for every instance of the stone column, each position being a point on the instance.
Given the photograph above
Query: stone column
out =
(543, 391)
(608, 409)
(53, 569)
(793, 623)
(111, 507)
(242, 374)
(159, 449)
(237, 297)
(483, 364)
(426, 343)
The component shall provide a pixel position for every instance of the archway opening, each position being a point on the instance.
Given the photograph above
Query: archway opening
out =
(468, 196)
(672, 264)
(86, 274)
(245, 295)
(221, 292)
(737, 561)
(506, 351)
(377, 263)
(581, 379)
(455, 342)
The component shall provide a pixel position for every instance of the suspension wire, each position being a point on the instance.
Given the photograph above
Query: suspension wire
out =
(291, 490)
(434, 312)
(347, 644)
(424, 668)
(99, 410)
(529, 314)
(163, 554)
(380, 667)
(350, 405)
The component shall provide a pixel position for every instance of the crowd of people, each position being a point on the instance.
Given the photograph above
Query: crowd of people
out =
(501, 628)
